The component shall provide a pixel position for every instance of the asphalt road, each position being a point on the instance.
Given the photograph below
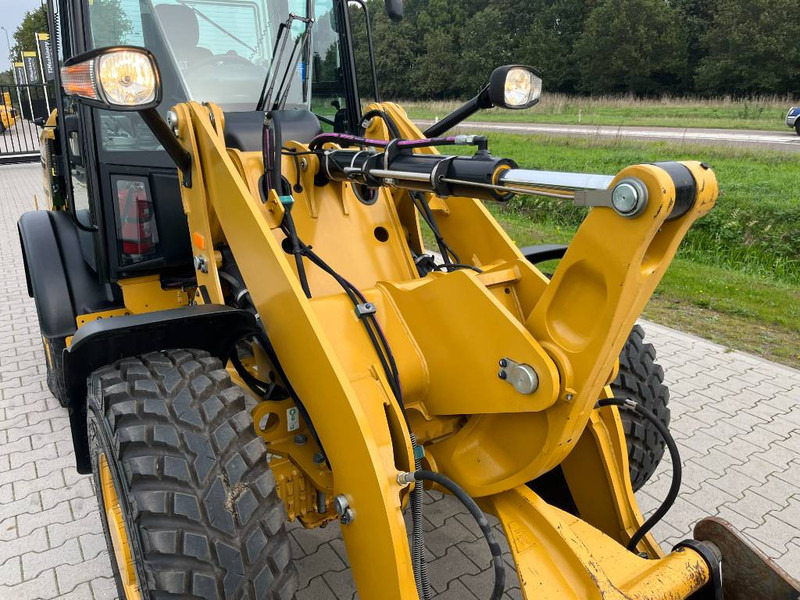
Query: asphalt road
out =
(776, 140)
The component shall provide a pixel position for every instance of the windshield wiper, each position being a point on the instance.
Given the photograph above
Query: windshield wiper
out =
(222, 29)
(284, 31)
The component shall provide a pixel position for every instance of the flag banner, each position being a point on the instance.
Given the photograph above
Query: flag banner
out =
(46, 56)
(31, 67)
(19, 73)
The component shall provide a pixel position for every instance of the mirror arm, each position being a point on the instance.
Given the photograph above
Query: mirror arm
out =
(167, 139)
(463, 112)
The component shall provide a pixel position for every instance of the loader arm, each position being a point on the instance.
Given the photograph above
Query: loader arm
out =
(448, 333)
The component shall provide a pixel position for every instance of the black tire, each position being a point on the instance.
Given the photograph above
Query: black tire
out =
(197, 497)
(797, 126)
(54, 349)
(642, 379)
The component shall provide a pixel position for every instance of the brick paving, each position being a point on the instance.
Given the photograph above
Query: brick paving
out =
(736, 419)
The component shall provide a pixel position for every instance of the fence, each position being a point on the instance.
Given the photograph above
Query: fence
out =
(20, 106)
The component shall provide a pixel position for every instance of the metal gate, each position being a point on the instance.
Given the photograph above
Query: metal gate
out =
(20, 107)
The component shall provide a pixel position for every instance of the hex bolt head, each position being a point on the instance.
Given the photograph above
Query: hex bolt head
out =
(340, 504)
(318, 458)
(300, 439)
(503, 363)
(629, 197)
(502, 375)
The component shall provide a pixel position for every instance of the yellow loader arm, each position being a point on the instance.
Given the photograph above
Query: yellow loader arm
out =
(450, 334)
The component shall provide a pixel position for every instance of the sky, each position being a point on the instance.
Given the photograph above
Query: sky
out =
(11, 14)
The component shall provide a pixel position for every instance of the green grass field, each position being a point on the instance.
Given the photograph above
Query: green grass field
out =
(765, 113)
(736, 279)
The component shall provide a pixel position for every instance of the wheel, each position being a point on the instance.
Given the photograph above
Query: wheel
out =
(641, 379)
(797, 126)
(54, 352)
(188, 502)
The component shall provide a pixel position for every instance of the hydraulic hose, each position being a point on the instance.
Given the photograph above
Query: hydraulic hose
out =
(480, 518)
(418, 559)
(677, 469)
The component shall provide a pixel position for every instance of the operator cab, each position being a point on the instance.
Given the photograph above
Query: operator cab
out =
(121, 186)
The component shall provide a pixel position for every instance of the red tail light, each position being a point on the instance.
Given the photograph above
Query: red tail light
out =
(137, 231)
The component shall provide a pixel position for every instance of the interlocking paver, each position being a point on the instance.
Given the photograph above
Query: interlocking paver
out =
(735, 416)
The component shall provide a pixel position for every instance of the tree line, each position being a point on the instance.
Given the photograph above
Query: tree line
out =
(447, 48)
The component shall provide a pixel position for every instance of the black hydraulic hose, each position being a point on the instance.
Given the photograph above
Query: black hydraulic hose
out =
(291, 233)
(418, 559)
(497, 554)
(390, 123)
(674, 454)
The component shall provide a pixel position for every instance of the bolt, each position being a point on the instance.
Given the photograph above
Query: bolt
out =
(304, 164)
(348, 516)
(502, 375)
(300, 439)
(570, 397)
(340, 504)
(342, 507)
(318, 458)
(200, 264)
(503, 363)
(172, 121)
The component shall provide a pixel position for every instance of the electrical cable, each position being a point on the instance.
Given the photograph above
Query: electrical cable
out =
(677, 469)
(497, 554)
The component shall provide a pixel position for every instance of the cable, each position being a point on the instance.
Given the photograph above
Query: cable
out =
(677, 469)
(480, 518)
(390, 123)
(457, 266)
(291, 233)
(386, 357)
(418, 559)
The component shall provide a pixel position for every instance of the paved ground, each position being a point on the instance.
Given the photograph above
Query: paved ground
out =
(786, 140)
(736, 419)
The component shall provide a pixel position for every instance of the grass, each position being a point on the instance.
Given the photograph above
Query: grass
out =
(762, 113)
(754, 227)
(736, 279)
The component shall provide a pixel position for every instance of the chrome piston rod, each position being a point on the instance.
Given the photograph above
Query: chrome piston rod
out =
(553, 180)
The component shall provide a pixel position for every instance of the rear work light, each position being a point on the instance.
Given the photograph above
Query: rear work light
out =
(136, 222)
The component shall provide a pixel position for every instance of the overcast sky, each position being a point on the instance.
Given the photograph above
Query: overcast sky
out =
(11, 15)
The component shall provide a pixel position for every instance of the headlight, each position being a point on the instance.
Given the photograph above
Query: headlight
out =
(124, 78)
(522, 88)
(514, 87)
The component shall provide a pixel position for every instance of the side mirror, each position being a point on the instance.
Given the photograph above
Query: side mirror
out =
(514, 86)
(394, 8)
(122, 78)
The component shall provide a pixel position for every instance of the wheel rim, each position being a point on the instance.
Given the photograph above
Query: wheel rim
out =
(119, 537)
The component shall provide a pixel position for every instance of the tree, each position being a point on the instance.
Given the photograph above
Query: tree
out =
(110, 23)
(632, 46)
(35, 21)
(753, 48)
(7, 77)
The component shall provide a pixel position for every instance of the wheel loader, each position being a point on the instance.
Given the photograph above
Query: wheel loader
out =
(265, 298)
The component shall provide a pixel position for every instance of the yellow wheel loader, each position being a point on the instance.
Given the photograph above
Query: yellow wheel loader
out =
(241, 315)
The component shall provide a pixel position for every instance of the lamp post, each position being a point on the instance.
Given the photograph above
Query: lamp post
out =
(8, 43)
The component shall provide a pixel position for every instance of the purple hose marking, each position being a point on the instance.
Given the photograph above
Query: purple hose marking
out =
(344, 137)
